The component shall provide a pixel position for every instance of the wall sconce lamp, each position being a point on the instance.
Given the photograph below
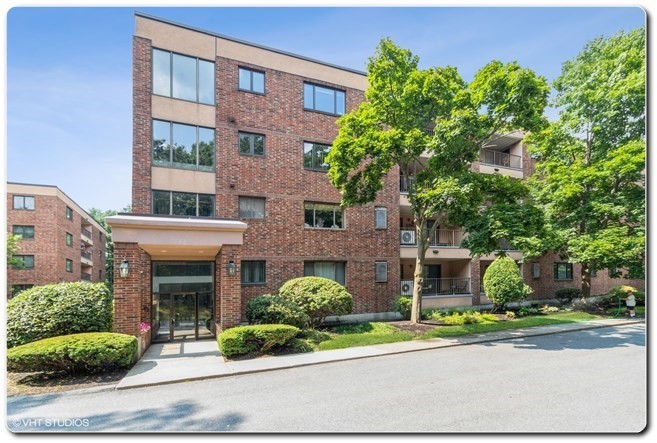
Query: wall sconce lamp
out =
(435, 251)
(124, 269)
(232, 268)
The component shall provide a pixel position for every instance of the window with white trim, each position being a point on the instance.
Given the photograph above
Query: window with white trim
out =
(381, 218)
(381, 271)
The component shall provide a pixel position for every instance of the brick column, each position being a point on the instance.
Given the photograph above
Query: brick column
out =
(229, 297)
(475, 286)
(127, 290)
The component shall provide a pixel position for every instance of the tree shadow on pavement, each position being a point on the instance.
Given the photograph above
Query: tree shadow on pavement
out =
(181, 417)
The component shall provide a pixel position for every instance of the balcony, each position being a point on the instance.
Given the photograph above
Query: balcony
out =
(85, 235)
(496, 158)
(86, 258)
(84, 276)
(442, 238)
(438, 287)
(403, 189)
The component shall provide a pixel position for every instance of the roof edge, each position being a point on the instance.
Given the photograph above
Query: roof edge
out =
(244, 42)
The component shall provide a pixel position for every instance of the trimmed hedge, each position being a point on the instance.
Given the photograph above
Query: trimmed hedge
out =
(503, 282)
(87, 352)
(272, 309)
(318, 297)
(59, 309)
(254, 338)
(566, 295)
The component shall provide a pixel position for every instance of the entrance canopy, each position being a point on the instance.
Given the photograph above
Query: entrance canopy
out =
(176, 238)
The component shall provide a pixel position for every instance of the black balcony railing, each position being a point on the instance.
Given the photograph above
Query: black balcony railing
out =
(438, 286)
(442, 238)
(496, 158)
(86, 255)
(403, 188)
(85, 232)
(85, 276)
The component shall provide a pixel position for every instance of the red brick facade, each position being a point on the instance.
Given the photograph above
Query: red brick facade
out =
(49, 246)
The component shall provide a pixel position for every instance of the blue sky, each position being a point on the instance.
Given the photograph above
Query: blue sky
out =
(69, 72)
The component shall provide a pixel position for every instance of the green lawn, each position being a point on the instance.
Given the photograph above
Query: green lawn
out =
(364, 334)
(524, 322)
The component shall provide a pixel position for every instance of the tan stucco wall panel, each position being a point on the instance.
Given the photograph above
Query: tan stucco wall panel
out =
(176, 39)
(446, 302)
(182, 180)
(488, 169)
(182, 111)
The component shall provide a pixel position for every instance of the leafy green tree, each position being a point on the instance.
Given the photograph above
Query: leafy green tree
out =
(12, 248)
(503, 283)
(434, 121)
(99, 216)
(591, 162)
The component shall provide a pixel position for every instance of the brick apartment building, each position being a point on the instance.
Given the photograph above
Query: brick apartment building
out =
(60, 241)
(230, 196)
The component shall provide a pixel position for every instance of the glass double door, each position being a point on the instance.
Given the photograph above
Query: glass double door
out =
(182, 316)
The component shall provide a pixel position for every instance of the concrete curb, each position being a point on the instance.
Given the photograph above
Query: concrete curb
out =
(253, 366)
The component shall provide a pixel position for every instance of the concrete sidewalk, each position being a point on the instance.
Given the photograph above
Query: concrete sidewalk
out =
(185, 361)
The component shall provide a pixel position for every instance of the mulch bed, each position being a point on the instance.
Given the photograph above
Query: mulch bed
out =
(32, 383)
(415, 328)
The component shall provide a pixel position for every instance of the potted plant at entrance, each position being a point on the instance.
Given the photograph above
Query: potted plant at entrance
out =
(144, 338)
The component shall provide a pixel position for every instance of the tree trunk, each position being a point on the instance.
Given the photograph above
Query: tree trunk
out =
(586, 280)
(418, 276)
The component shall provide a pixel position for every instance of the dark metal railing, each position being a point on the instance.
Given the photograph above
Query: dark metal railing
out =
(490, 157)
(438, 286)
(85, 276)
(85, 232)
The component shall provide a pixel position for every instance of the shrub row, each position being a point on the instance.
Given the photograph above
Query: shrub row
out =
(256, 339)
(58, 309)
(87, 352)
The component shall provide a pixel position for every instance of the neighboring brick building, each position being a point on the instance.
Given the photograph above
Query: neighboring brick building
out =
(231, 199)
(60, 241)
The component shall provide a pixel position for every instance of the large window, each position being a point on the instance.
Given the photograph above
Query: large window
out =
(17, 289)
(251, 81)
(251, 144)
(24, 202)
(563, 271)
(314, 155)
(183, 146)
(27, 261)
(69, 265)
(318, 215)
(253, 272)
(252, 207)
(180, 76)
(327, 269)
(323, 99)
(69, 239)
(182, 203)
(26, 232)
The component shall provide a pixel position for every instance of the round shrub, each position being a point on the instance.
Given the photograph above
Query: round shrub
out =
(503, 283)
(272, 309)
(89, 352)
(403, 305)
(254, 338)
(58, 309)
(566, 295)
(318, 297)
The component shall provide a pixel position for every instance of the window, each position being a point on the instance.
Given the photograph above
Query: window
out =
(563, 271)
(100, 236)
(594, 272)
(253, 272)
(252, 81)
(323, 99)
(180, 76)
(381, 271)
(69, 239)
(69, 213)
(17, 289)
(183, 146)
(24, 202)
(69, 265)
(613, 272)
(251, 144)
(27, 261)
(252, 207)
(313, 156)
(381, 218)
(318, 215)
(100, 275)
(536, 270)
(182, 203)
(327, 269)
(26, 232)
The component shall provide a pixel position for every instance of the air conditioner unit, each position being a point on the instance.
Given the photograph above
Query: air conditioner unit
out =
(407, 237)
(407, 288)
